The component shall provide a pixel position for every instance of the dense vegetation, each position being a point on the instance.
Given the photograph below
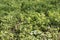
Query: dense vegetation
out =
(29, 19)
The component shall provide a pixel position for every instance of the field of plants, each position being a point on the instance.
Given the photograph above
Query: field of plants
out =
(29, 19)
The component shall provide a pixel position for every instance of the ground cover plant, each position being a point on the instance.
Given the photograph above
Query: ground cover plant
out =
(29, 19)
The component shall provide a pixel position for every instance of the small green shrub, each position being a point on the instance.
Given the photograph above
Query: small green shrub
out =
(29, 19)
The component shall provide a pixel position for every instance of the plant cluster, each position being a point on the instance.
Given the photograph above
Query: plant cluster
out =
(29, 19)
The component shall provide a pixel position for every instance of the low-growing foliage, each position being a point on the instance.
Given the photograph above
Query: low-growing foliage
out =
(29, 19)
